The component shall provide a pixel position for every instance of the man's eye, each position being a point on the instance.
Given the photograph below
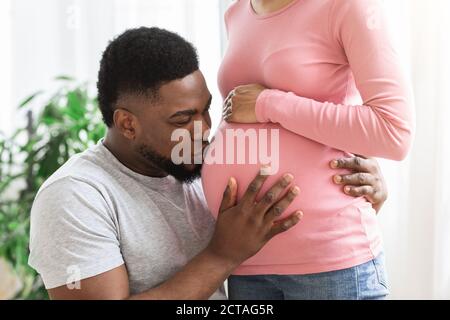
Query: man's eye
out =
(181, 123)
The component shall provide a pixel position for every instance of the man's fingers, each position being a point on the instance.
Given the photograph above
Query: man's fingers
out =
(272, 196)
(285, 224)
(278, 208)
(357, 164)
(356, 179)
(255, 186)
(229, 196)
(362, 191)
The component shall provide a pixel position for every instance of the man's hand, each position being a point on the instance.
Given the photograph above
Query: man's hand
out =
(243, 229)
(366, 179)
(240, 105)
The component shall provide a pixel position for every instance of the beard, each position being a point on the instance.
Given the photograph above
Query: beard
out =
(178, 171)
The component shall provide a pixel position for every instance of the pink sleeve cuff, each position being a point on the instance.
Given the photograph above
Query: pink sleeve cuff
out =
(272, 103)
(267, 100)
(261, 106)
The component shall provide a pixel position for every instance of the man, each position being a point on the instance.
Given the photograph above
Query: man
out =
(122, 221)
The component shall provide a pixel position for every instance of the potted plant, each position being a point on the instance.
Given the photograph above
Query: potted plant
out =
(59, 124)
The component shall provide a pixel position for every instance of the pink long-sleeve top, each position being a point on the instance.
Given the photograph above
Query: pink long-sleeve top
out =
(336, 88)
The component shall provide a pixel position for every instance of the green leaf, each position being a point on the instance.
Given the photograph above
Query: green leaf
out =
(13, 225)
(76, 105)
(49, 162)
(29, 99)
(35, 155)
(64, 78)
(50, 115)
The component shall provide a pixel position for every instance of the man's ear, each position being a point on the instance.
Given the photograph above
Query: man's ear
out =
(126, 123)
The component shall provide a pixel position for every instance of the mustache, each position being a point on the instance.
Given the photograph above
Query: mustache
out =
(178, 171)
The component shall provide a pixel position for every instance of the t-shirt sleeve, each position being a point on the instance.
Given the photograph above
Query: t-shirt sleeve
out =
(73, 234)
(383, 125)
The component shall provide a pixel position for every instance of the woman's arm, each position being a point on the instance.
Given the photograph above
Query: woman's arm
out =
(383, 125)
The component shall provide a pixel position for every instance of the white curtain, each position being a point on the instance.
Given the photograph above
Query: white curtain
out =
(51, 37)
(48, 38)
(416, 219)
(5, 65)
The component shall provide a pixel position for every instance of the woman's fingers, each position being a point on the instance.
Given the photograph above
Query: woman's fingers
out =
(231, 94)
(278, 208)
(228, 106)
(356, 179)
(367, 179)
(357, 164)
(361, 191)
(362, 185)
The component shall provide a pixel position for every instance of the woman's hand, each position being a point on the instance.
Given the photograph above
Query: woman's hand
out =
(240, 105)
(365, 181)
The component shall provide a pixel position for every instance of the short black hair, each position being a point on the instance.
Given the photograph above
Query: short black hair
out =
(140, 61)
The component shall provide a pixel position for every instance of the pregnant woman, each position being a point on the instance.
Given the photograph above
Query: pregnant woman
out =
(313, 80)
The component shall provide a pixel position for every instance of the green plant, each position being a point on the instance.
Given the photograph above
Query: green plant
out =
(65, 123)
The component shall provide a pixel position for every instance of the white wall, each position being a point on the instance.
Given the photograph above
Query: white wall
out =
(54, 37)
(5, 66)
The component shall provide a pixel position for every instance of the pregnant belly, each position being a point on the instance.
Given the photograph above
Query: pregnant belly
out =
(335, 227)
(239, 151)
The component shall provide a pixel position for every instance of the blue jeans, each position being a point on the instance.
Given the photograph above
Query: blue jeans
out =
(364, 282)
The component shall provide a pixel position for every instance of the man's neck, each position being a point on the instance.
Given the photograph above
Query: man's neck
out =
(130, 158)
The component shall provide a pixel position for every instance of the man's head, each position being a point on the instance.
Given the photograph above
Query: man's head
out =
(149, 85)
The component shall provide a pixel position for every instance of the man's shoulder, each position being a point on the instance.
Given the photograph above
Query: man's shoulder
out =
(85, 168)
(77, 191)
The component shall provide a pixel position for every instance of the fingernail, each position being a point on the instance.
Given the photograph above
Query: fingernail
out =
(347, 189)
(295, 191)
(334, 164)
(338, 179)
(299, 214)
(288, 177)
(266, 169)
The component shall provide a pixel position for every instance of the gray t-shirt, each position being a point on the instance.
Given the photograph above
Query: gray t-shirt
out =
(94, 214)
